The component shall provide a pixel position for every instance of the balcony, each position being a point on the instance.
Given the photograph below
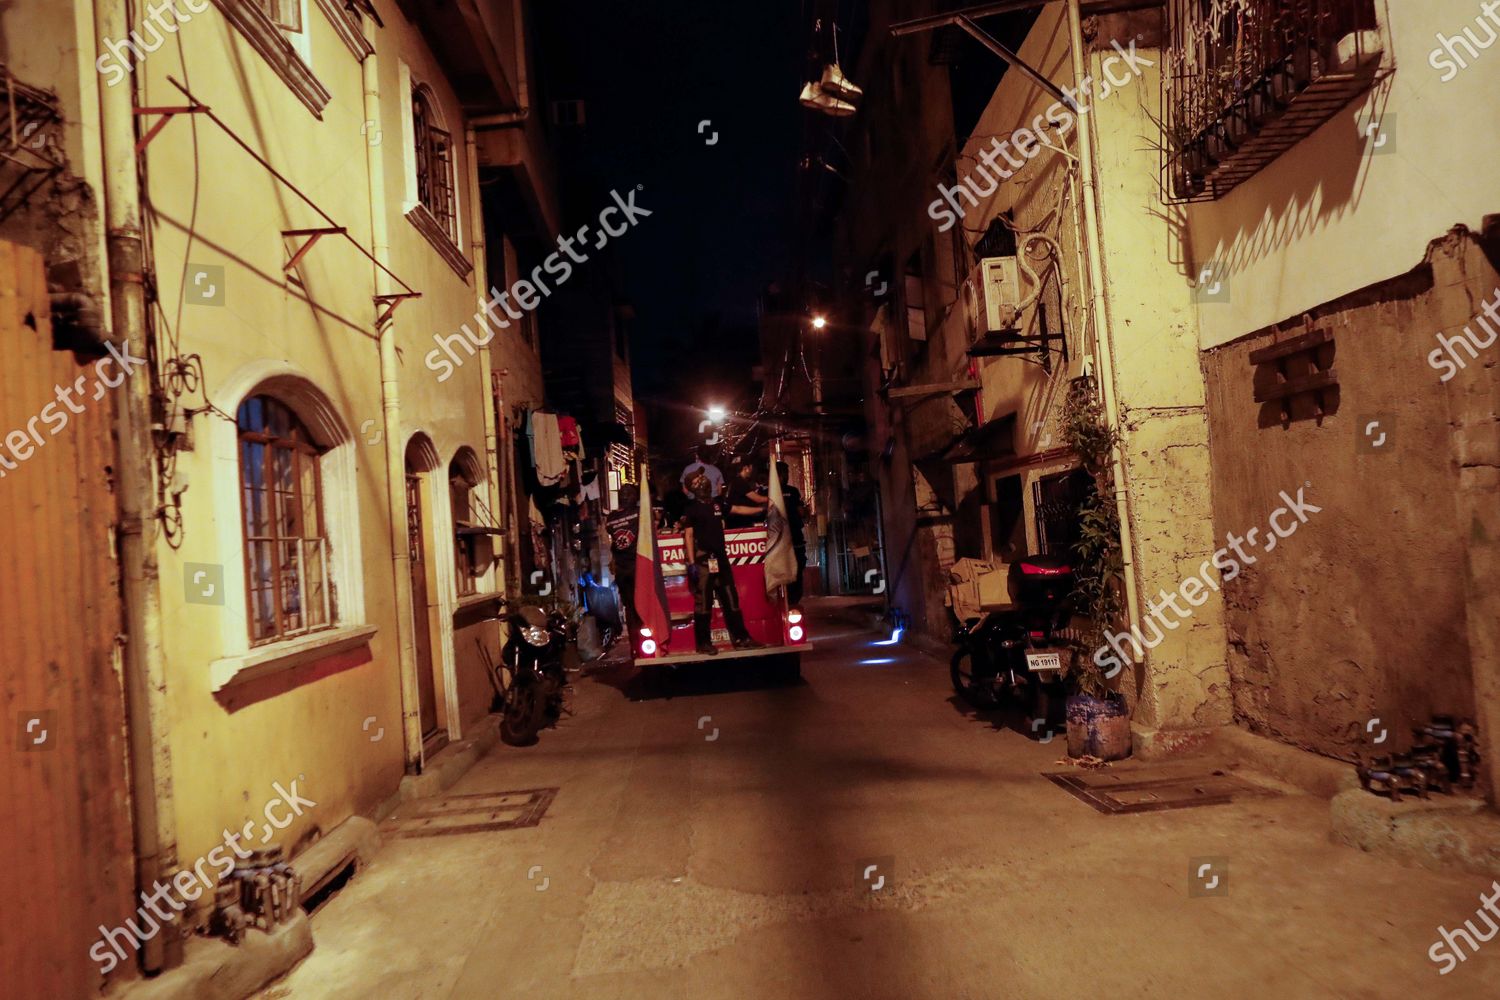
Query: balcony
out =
(1246, 80)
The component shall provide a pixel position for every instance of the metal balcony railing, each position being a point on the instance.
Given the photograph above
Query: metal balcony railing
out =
(1245, 80)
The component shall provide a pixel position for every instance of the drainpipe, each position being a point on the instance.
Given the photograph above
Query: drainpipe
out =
(486, 364)
(502, 120)
(1103, 339)
(390, 407)
(523, 91)
(153, 811)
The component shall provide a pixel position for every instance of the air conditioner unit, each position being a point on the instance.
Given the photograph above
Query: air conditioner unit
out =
(991, 294)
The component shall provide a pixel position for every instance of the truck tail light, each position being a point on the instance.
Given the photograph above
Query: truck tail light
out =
(795, 633)
(648, 644)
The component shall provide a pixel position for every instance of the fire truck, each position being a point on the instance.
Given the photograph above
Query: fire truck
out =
(781, 629)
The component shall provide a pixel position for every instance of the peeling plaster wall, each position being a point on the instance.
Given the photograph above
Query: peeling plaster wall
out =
(41, 45)
(1362, 613)
(1183, 683)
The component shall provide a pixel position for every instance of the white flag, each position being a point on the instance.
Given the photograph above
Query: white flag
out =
(781, 561)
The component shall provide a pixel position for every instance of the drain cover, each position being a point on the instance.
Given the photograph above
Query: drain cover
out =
(474, 813)
(1126, 792)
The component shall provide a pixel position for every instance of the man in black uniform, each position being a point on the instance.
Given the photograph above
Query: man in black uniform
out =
(709, 572)
(622, 528)
(747, 503)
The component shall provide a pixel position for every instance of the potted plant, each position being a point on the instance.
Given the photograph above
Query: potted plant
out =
(1098, 719)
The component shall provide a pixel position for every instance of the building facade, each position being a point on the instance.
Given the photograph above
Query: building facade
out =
(276, 220)
(1275, 313)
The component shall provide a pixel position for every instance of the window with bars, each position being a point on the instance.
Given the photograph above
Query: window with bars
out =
(1057, 500)
(286, 546)
(434, 161)
(464, 545)
(1246, 80)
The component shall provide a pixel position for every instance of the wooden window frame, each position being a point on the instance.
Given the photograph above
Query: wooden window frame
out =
(302, 450)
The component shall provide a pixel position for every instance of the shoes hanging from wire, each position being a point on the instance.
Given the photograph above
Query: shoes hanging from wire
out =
(832, 93)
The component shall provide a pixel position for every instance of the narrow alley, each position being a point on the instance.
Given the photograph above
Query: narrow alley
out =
(834, 499)
(710, 840)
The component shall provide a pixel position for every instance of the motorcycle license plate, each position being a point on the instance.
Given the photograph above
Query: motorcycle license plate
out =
(720, 636)
(1043, 660)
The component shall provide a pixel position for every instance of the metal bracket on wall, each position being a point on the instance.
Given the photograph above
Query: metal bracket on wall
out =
(167, 114)
(313, 235)
(390, 302)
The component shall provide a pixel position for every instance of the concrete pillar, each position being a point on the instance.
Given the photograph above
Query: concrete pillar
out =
(1180, 693)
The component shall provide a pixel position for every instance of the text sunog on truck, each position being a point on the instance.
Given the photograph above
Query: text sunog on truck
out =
(781, 629)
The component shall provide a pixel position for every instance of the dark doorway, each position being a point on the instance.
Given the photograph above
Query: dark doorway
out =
(1008, 520)
(421, 628)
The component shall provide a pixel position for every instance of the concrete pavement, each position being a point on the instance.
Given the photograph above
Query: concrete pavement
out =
(709, 840)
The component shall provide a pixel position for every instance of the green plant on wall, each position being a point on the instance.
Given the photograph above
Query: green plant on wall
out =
(1098, 563)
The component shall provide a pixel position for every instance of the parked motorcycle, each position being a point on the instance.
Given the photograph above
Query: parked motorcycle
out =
(1019, 655)
(533, 654)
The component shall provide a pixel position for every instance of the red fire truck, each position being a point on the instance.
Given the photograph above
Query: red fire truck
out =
(783, 630)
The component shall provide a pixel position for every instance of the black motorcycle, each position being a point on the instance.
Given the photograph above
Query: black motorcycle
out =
(1019, 656)
(533, 654)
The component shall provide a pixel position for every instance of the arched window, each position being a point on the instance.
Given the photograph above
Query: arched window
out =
(464, 474)
(286, 546)
(434, 159)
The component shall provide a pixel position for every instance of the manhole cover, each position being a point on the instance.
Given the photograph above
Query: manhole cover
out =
(1124, 792)
(474, 813)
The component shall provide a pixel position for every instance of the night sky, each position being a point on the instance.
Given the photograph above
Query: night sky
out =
(722, 221)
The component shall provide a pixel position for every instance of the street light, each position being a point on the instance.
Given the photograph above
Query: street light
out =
(819, 322)
(717, 413)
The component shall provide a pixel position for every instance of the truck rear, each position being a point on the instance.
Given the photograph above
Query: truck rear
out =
(781, 630)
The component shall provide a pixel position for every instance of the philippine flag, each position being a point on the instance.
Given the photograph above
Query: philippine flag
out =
(781, 561)
(650, 588)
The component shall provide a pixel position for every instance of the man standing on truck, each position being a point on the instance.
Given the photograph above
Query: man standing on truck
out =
(699, 464)
(709, 572)
(747, 504)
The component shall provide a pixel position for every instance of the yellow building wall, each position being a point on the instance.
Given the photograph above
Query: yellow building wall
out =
(334, 726)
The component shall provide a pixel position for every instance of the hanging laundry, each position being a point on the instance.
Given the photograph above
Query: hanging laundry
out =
(546, 447)
(567, 430)
(588, 491)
